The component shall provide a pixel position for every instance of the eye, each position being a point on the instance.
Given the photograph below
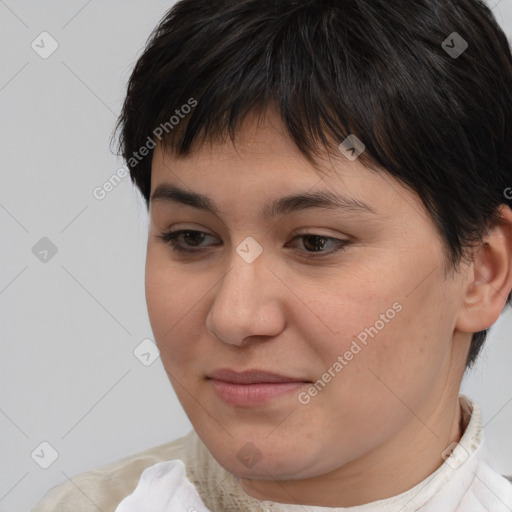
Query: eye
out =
(171, 238)
(314, 243)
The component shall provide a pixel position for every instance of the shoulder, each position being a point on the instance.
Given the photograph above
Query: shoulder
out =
(104, 487)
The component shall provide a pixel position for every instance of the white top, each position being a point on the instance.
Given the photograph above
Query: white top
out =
(465, 482)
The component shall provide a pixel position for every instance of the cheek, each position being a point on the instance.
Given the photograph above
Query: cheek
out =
(392, 358)
(353, 307)
(374, 332)
(174, 301)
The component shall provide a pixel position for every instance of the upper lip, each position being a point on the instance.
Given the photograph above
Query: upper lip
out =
(251, 376)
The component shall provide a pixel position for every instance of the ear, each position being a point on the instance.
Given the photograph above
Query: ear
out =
(488, 279)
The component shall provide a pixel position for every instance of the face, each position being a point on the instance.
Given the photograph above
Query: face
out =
(351, 303)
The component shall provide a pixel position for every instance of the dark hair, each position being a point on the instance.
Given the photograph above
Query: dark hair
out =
(438, 122)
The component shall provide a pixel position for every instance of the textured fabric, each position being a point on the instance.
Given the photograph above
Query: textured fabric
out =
(102, 488)
(465, 482)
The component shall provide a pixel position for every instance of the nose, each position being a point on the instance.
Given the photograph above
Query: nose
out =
(247, 303)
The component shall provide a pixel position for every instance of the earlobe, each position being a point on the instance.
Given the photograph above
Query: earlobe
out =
(488, 280)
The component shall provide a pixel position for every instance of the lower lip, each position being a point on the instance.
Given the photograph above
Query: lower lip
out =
(252, 394)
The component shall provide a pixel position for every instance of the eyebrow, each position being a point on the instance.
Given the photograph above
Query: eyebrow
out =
(284, 205)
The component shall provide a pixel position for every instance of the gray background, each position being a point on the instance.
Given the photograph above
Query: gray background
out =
(69, 326)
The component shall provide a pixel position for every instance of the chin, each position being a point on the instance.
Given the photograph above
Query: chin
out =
(257, 462)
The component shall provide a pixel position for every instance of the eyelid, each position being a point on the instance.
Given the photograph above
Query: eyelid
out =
(170, 238)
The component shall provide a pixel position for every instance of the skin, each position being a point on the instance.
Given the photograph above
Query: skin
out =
(292, 314)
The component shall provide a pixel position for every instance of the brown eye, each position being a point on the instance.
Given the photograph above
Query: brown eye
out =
(314, 242)
(196, 237)
(317, 243)
(191, 238)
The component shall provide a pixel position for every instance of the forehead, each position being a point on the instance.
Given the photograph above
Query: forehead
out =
(261, 149)
(263, 164)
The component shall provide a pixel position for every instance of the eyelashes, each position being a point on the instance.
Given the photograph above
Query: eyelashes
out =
(174, 239)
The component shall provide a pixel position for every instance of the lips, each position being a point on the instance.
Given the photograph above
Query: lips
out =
(253, 387)
(252, 377)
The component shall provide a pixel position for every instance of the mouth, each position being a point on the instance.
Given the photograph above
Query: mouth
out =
(252, 387)
(252, 377)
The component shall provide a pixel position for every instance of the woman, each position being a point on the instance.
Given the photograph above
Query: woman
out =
(319, 281)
